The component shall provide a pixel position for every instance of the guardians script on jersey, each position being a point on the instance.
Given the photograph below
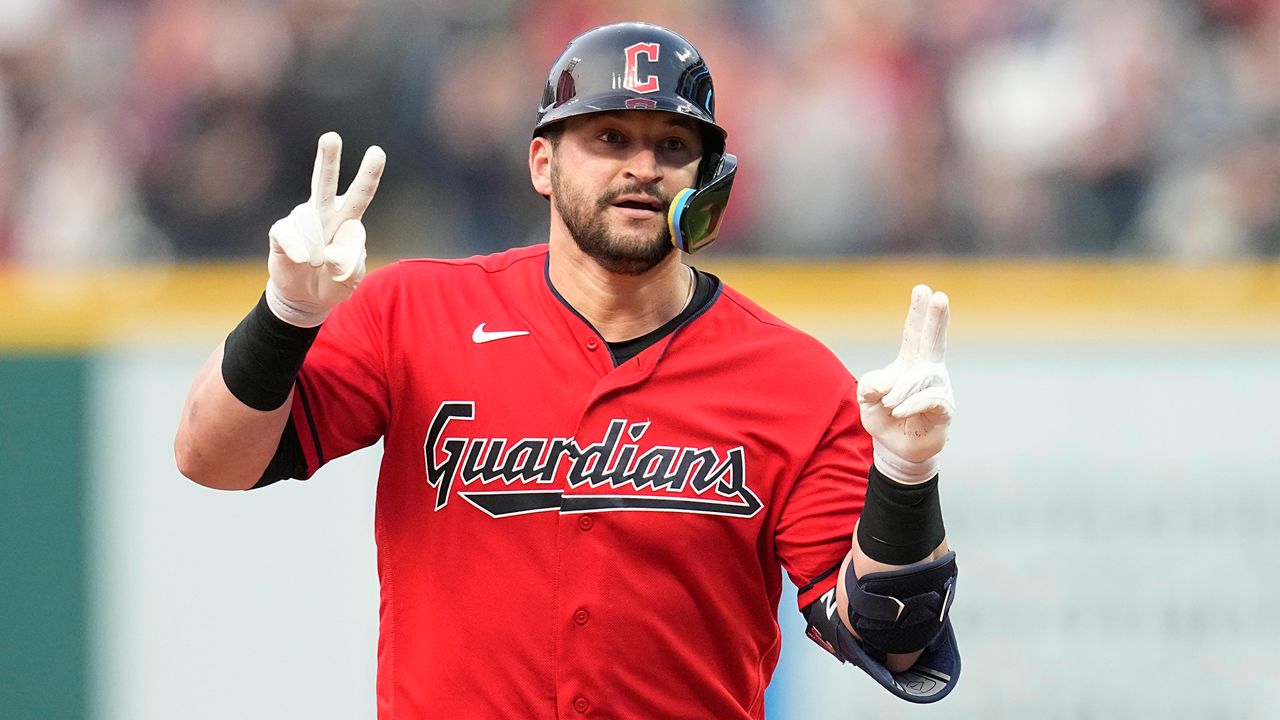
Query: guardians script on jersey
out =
(662, 478)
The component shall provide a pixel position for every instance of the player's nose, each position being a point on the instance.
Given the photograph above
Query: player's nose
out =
(643, 166)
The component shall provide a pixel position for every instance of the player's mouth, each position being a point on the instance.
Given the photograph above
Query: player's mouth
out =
(639, 207)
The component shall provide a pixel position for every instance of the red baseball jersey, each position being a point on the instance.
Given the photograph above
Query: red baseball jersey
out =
(562, 538)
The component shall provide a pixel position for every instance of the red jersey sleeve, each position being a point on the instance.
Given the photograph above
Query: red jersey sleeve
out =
(815, 530)
(340, 401)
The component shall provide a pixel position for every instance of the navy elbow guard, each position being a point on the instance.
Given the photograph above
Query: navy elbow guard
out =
(897, 612)
(903, 610)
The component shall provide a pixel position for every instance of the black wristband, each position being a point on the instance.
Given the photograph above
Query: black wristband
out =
(262, 357)
(900, 524)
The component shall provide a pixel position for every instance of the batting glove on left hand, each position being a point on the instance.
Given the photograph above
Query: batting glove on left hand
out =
(907, 406)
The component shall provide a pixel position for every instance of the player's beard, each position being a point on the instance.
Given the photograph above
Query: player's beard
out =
(587, 221)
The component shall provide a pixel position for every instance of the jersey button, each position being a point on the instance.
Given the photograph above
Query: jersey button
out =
(585, 522)
(581, 705)
(592, 343)
(582, 616)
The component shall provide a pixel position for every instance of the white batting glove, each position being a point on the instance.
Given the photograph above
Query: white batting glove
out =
(907, 405)
(317, 250)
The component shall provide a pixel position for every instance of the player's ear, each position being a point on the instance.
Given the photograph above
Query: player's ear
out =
(540, 151)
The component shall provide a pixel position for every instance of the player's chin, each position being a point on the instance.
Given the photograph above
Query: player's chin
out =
(650, 243)
(634, 253)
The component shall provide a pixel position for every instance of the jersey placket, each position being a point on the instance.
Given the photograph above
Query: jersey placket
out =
(587, 609)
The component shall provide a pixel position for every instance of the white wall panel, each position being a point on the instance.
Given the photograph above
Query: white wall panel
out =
(1115, 509)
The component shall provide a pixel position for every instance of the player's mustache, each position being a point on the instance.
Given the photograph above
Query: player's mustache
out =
(653, 193)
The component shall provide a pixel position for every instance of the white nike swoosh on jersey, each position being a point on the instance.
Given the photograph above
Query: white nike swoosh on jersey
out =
(480, 335)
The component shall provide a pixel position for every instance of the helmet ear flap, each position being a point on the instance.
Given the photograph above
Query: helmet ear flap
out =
(696, 214)
(712, 154)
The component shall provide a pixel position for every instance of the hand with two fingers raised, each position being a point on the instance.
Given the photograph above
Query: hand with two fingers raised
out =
(317, 253)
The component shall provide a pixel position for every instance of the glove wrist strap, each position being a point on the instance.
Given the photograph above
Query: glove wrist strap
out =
(899, 469)
(291, 312)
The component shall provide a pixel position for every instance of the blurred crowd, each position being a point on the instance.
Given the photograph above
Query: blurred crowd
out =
(159, 130)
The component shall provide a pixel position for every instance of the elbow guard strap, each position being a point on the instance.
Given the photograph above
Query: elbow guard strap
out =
(903, 611)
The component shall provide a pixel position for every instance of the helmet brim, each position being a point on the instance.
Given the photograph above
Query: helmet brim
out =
(629, 102)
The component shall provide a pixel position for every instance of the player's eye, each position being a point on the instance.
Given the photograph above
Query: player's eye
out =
(679, 150)
(611, 137)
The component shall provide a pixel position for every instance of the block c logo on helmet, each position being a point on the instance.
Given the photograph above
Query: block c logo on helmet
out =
(631, 75)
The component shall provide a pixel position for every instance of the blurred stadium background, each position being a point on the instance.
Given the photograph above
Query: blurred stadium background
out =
(1095, 182)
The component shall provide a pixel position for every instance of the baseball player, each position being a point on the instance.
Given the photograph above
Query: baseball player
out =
(597, 458)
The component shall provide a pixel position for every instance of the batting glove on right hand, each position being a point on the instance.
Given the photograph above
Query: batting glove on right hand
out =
(317, 251)
(907, 406)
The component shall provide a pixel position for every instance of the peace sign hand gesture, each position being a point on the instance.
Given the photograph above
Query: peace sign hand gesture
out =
(317, 251)
(907, 406)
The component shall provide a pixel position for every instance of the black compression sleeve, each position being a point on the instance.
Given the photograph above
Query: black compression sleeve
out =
(262, 356)
(900, 524)
(288, 462)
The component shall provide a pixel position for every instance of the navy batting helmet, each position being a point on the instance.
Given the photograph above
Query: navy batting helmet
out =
(638, 66)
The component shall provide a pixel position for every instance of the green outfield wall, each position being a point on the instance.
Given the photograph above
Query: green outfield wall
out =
(43, 537)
